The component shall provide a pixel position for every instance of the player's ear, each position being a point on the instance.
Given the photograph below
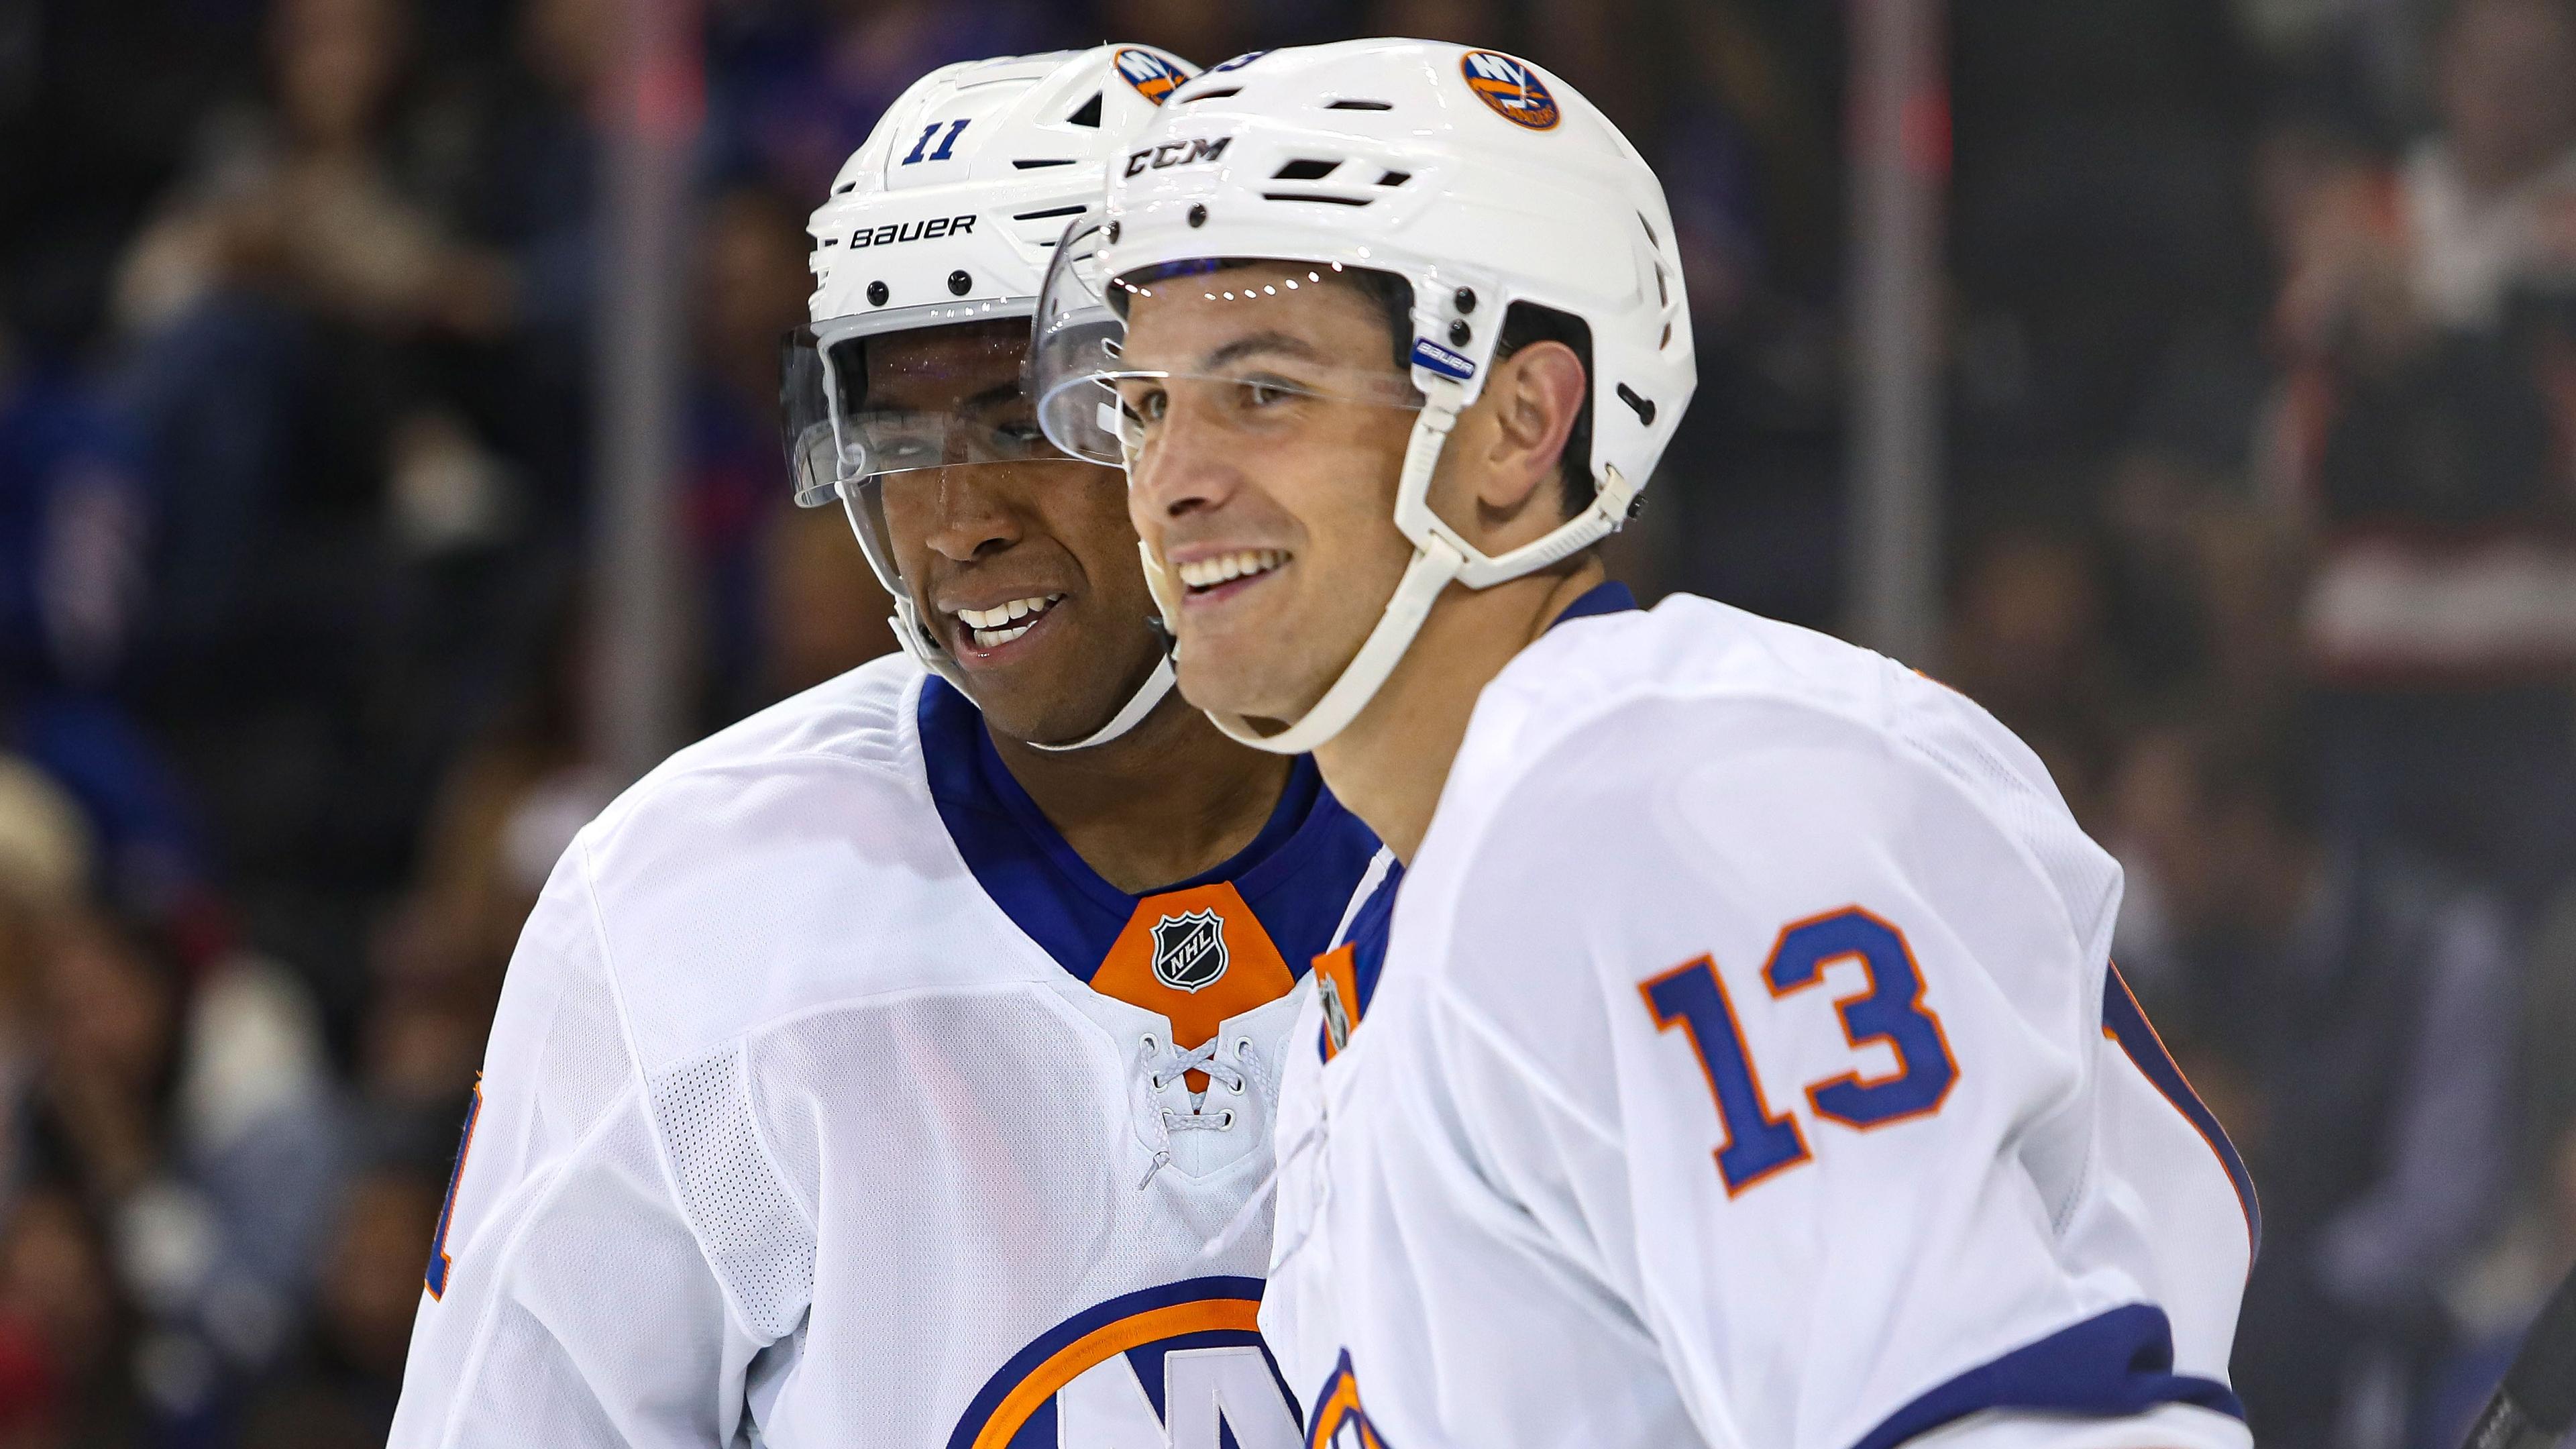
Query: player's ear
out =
(1536, 394)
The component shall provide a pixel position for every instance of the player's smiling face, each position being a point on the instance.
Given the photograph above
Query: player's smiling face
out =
(1025, 571)
(1264, 478)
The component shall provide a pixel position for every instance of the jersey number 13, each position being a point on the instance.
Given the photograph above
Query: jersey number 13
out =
(1889, 1008)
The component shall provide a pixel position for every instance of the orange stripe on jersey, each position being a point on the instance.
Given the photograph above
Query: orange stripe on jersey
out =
(1337, 1409)
(1097, 1346)
(1197, 956)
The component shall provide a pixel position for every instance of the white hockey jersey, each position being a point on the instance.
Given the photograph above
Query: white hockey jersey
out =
(1746, 1069)
(834, 1101)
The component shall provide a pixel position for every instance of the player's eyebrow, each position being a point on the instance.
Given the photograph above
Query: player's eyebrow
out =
(1260, 342)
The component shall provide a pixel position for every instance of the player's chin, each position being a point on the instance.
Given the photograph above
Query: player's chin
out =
(1235, 676)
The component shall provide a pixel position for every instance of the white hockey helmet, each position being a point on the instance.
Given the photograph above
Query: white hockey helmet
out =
(1478, 178)
(947, 215)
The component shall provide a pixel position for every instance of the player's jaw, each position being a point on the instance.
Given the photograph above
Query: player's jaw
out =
(1025, 574)
(1278, 579)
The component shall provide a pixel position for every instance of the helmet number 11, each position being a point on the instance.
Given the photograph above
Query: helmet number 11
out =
(947, 143)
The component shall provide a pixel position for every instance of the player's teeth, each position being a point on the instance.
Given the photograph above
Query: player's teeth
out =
(1001, 615)
(1207, 573)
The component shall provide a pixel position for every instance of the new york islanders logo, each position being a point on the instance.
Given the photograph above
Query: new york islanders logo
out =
(1154, 76)
(1511, 89)
(1175, 1367)
(1189, 950)
(1338, 1421)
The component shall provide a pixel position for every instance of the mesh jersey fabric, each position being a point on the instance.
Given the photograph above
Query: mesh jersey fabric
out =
(788, 1134)
(1507, 1214)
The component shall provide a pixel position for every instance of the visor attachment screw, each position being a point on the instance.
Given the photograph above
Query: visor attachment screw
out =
(876, 294)
(959, 283)
(1459, 332)
(1198, 214)
(1466, 300)
(1113, 233)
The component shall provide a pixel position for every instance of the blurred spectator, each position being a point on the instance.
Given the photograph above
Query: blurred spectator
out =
(752, 285)
(507, 807)
(341, 1385)
(202, 1128)
(822, 611)
(73, 539)
(2348, 1010)
(2026, 641)
(64, 1377)
(2429, 314)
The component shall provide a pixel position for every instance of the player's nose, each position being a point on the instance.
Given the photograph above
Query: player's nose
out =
(1186, 469)
(970, 517)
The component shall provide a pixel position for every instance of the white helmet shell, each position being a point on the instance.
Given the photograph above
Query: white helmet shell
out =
(974, 171)
(1482, 180)
(948, 214)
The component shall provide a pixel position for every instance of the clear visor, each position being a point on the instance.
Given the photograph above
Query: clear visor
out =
(1252, 376)
(945, 391)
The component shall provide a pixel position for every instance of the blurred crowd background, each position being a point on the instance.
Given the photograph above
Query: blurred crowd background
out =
(2259, 347)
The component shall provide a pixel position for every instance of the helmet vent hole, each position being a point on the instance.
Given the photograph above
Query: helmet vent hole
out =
(1652, 240)
(845, 188)
(1395, 178)
(1212, 95)
(1088, 115)
(1074, 210)
(1034, 165)
(1314, 196)
(1667, 337)
(1663, 291)
(1361, 106)
(1305, 171)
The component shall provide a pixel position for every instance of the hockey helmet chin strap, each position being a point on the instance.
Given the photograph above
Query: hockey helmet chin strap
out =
(1440, 556)
(914, 635)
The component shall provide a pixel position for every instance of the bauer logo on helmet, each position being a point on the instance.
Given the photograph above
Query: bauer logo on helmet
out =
(1154, 76)
(1511, 88)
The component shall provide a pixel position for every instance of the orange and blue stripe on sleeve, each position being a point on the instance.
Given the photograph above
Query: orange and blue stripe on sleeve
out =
(2125, 1022)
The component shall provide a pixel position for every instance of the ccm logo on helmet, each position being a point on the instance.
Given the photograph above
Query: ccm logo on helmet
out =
(1510, 88)
(1177, 153)
(893, 232)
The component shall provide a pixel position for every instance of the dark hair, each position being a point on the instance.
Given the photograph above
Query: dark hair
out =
(1525, 323)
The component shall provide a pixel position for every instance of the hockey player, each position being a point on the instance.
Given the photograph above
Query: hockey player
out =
(1737, 1060)
(875, 1071)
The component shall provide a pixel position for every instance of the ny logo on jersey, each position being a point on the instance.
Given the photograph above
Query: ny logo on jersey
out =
(1189, 950)
(1175, 1367)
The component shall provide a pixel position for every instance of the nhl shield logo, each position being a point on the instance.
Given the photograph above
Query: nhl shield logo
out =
(1189, 950)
